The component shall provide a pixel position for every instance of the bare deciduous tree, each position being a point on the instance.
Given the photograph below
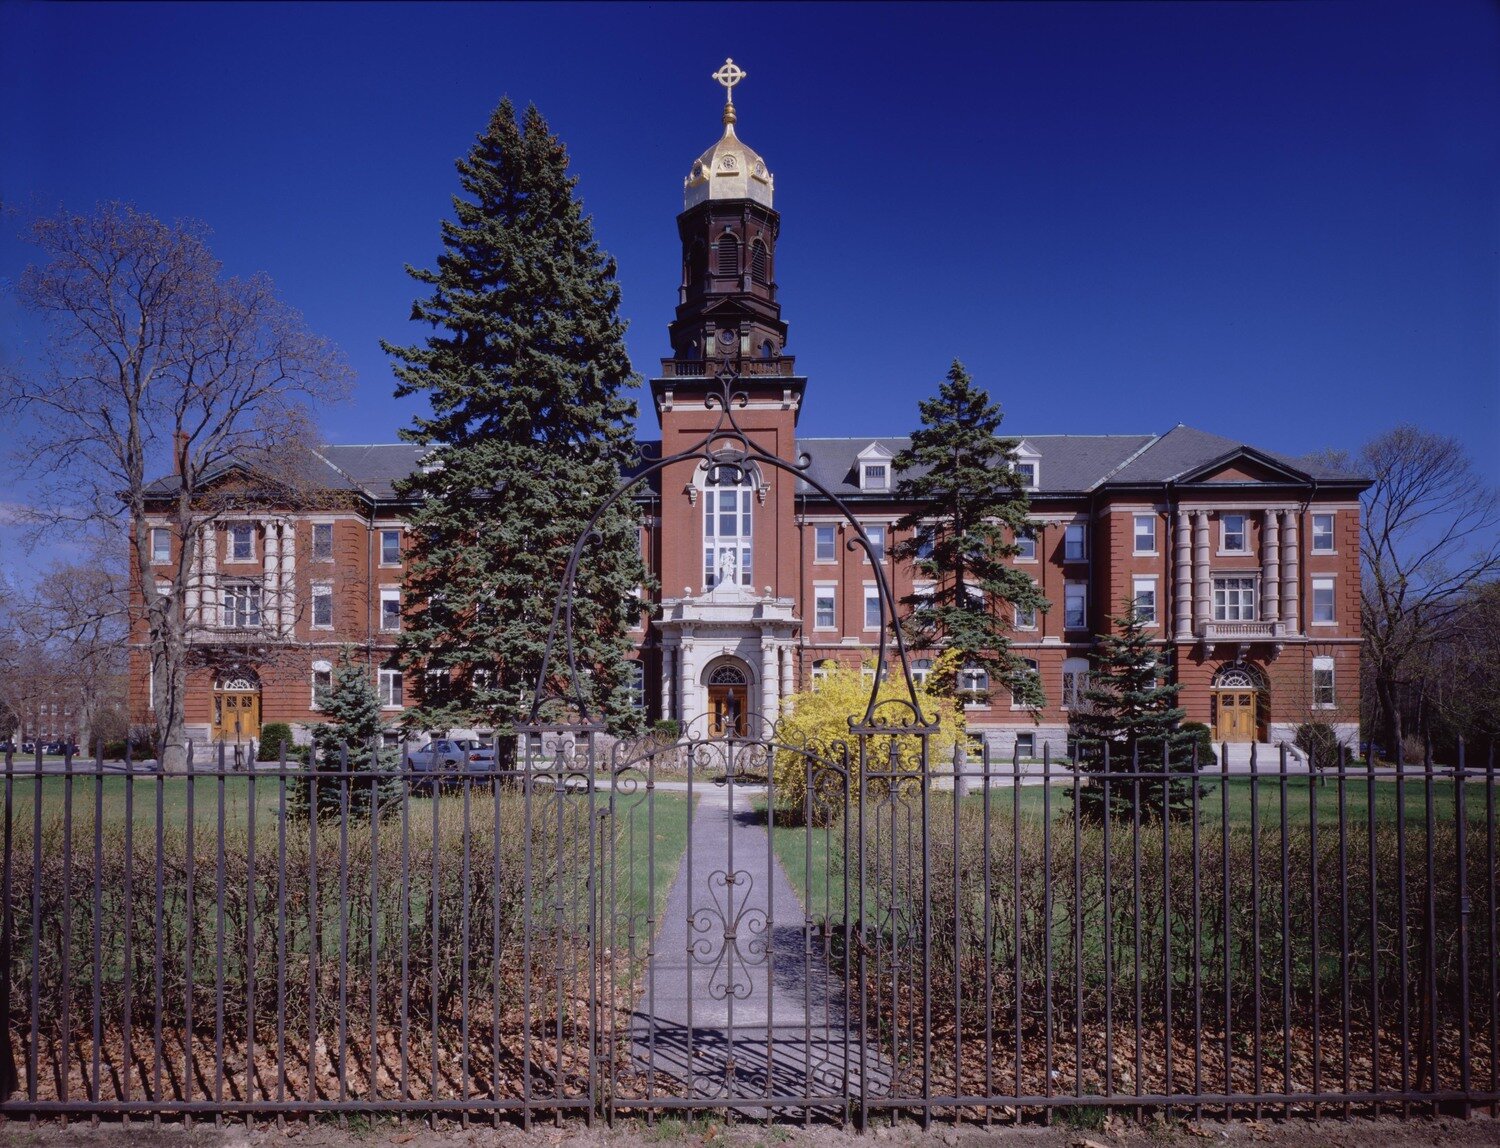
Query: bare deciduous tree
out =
(159, 364)
(1430, 536)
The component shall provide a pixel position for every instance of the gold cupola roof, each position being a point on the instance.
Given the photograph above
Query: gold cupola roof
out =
(731, 169)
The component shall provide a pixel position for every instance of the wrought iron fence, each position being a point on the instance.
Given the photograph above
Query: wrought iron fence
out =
(834, 931)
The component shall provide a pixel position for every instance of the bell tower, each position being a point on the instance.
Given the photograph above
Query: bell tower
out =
(726, 299)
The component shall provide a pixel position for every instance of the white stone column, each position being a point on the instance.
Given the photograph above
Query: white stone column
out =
(1289, 572)
(1182, 585)
(193, 591)
(1270, 566)
(769, 680)
(1200, 573)
(687, 697)
(786, 671)
(270, 564)
(666, 681)
(211, 575)
(289, 573)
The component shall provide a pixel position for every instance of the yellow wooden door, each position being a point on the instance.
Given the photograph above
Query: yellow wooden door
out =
(726, 708)
(237, 715)
(1236, 715)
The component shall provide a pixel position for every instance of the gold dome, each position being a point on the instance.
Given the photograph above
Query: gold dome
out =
(730, 169)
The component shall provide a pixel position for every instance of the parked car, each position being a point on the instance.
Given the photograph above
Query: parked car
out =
(452, 756)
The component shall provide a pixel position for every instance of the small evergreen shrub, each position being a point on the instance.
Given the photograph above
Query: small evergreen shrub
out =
(668, 729)
(1320, 743)
(1201, 738)
(272, 735)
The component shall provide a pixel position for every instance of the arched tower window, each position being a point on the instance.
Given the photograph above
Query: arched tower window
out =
(767, 351)
(727, 255)
(728, 497)
(760, 262)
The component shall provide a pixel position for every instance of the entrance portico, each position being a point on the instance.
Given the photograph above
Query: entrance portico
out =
(727, 652)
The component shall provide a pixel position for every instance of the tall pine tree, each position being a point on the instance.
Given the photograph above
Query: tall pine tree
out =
(530, 427)
(973, 505)
(1128, 713)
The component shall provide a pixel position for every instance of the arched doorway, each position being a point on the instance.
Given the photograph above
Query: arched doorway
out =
(236, 707)
(1238, 702)
(728, 699)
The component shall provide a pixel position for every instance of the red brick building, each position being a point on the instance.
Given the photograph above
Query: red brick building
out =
(1246, 562)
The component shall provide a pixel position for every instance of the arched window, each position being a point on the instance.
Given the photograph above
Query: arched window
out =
(1075, 679)
(727, 255)
(820, 671)
(760, 262)
(1033, 672)
(767, 350)
(727, 675)
(728, 497)
(921, 669)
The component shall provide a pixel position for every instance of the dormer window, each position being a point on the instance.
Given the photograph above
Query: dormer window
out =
(875, 468)
(1028, 465)
(1027, 471)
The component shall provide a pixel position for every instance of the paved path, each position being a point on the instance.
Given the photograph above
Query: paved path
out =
(738, 1001)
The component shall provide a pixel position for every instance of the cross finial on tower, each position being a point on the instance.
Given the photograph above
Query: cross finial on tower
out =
(729, 75)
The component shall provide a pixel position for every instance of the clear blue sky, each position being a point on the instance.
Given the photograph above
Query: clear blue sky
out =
(1273, 221)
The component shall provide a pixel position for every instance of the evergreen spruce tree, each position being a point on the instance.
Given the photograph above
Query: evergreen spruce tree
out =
(530, 428)
(1129, 707)
(348, 741)
(973, 505)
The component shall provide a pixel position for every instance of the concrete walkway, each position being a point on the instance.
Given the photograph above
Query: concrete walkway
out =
(739, 1002)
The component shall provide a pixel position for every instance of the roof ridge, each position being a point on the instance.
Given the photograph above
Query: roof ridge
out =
(1150, 442)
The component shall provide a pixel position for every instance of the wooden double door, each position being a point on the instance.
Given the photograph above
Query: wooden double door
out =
(1237, 715)
(236, 715)
(726, 710)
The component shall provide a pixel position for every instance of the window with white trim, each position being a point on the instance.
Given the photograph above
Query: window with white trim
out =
(1143, 594)
(1027, 470)
(875, 475)
(1025, 617)
(390, 548)
(825, 542)
(1234, 600)
(1075, 605)
(322, 684)
(825, 604)
(1324, 697)
(242, 542)
(925, 538)
(876, 535)
(1322, 534)
(635, 685)
(322, 542)
(390, 609)
(1145, 534)
(872, 607)
(322, 606)
(728, 494)
(241, 607)
(161, 545)
(1033, 671)
(1075, 679)
(1232, 539)
(1025, 745)
(1075, 542)
(1323, 602)
(820, 671)
(392, 689)
(974, 685)
(921, 670)
(1025, 548)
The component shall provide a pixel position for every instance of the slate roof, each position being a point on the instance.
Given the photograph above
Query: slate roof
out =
(1067, 464)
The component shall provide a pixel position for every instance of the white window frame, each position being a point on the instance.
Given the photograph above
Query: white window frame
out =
(1026, 547)
(384, 531)
(1244, 533)
(390, 683)
(1332, 547)
(1026, 468)
(925, 538)
(737, 500)
(1223, 610)
(1145, 583)
(389, 594)
(1329, 584)
(161, 545)
(974, 686)
(921, 670)
(876, 533)
(1076, 537)
(872, 598)
(1036, 672)
(833, 543)
(829, 591)
(635, 684)
(868, 481)
(320, 668)
(820, 671)
(313, 542)
(1324, 664)
(1079, 590)
(1076, 669)
(234, 529)
(1137, 520)
(229, 615)
(1029, 752)
(1025, 619)
(322, 590)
